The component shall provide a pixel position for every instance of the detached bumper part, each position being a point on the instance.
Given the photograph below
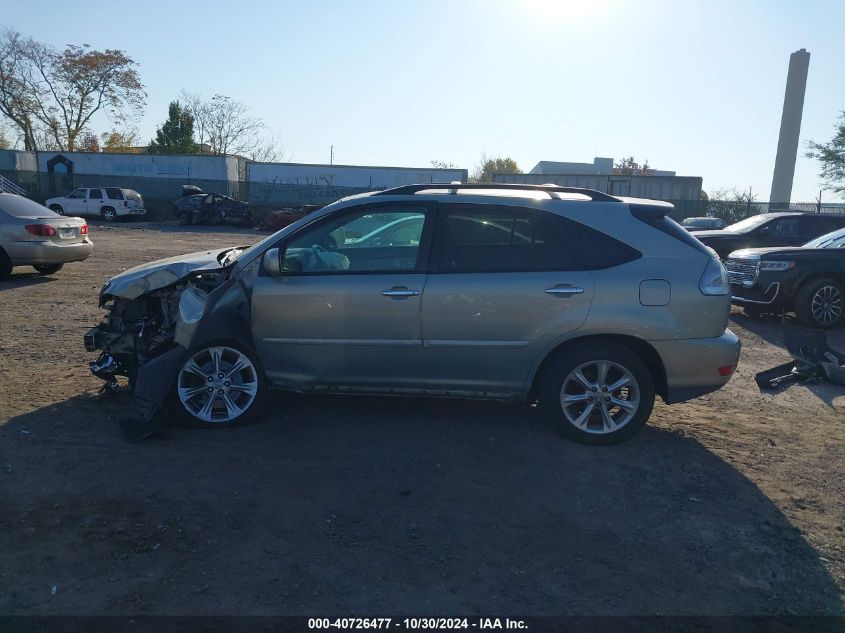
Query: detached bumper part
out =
(93, 339)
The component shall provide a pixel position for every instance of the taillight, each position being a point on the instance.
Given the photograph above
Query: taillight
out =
(726, 370)
(42, 230)
(83, 230)
(126, 203)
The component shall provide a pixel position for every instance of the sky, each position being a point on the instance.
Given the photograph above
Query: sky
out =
(692, 86)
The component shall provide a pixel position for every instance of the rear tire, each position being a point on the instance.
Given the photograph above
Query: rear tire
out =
(108, 214)
(219, 385)
(5, 265)
(819, 304)
(55, 208)
(48, 269)
(592, 408)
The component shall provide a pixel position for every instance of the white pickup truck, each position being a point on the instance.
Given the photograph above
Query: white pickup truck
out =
(107, 203)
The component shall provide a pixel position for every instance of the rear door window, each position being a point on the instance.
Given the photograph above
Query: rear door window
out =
(477, 238)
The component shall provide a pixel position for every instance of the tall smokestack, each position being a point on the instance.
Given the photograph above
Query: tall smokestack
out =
(790, 128)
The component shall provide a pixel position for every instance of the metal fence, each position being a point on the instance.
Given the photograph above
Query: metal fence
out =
(160, 193)
(733, 211)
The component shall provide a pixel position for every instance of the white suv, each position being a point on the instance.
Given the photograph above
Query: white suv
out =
(107, 203)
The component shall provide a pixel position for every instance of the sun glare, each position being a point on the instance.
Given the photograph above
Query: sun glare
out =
(563, 9)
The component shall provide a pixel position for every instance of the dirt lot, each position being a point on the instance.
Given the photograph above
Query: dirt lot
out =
(731, 504)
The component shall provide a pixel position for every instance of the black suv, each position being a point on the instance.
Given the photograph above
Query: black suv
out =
(809, 280)
(771, 229)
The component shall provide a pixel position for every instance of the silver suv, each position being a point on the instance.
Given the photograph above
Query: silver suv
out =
(586, 303)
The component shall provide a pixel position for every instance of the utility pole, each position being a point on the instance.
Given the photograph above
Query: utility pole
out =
(819, 202)
(331, 155)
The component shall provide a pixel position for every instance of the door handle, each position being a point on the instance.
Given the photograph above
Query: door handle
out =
(400, 291)
(564, 291)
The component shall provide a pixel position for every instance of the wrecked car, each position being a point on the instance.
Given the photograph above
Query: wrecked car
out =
(529, 295)
(197, 207)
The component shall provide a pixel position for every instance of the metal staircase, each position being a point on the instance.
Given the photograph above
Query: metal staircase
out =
(7, 186)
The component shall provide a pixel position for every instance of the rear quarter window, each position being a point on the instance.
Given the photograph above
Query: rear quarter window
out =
(114, 193)
(561, 244)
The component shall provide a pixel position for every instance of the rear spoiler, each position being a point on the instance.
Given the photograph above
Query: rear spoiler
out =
(656, 209)
(654, 212)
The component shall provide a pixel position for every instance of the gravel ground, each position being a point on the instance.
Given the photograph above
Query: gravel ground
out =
(733, 503)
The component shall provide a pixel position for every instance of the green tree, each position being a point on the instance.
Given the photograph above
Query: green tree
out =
(488, 166)
(176, 135)
(832, 157)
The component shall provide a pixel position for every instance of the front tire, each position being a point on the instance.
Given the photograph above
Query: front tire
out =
(218, 385)
(48, 269)
(819, 304)
(184, 218)
(598, 393)
(57, 209)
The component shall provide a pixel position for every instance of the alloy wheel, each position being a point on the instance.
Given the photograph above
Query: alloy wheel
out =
(217, 384)
(600, 397)
(826, 305)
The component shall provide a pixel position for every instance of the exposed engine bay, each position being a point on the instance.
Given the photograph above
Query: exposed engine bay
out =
(136, 330)
(156, 313)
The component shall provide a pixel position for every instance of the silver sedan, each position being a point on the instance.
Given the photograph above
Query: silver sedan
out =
(32, 235)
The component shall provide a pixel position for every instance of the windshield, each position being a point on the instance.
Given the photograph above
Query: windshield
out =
(748, 223)
(259, 247)
(21, 207)
(834, 239)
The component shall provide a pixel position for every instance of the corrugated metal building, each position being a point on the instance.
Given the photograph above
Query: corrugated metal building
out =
(682, 191)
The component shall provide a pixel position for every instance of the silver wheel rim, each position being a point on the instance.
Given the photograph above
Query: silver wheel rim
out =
(600, 397)
(826, 305)
(108, 215)
(217, 385)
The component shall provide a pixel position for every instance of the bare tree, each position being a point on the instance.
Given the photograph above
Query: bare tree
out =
(56, 93)
(17, 103)
(270, 148)
(201, 111)
(224, 126)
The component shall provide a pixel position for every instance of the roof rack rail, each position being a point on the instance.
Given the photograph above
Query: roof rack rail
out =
(405, 190)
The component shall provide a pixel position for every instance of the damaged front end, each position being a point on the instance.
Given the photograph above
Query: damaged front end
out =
(156, 313)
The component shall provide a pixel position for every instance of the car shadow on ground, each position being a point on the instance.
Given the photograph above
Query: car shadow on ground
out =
(362, 505)
(22, 280)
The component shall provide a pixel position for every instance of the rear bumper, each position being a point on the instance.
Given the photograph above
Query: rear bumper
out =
(692, 365)
(29, 253)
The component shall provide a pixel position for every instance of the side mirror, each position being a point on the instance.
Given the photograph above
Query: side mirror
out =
(766, 230)
(271, 262)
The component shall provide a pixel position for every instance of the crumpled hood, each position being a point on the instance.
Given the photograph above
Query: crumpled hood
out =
(145, 278)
